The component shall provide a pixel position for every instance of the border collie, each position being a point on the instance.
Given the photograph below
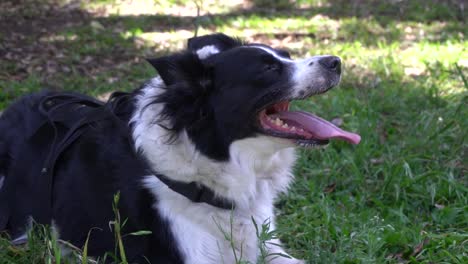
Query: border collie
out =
(197, 154)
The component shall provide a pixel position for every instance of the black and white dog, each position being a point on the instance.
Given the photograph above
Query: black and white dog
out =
(195, 154)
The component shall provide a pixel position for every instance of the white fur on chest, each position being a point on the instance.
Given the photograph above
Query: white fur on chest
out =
(200, 229)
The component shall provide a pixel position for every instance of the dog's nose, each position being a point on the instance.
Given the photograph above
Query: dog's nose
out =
(331, 63)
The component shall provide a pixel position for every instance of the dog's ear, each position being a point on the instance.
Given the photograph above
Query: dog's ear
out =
(208, 45)
(185, 67)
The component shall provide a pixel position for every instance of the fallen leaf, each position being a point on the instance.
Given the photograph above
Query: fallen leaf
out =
(376, 161)
(330, 188)
(397, 256)
(87, 60)
(419, 247)
(112, 79)
(96, 25)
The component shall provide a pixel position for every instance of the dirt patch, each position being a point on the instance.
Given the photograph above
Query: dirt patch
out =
(34, 40)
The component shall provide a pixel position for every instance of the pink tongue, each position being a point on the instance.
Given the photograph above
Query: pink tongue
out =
(318, 127)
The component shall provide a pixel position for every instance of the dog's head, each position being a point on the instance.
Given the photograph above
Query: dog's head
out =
(221, 90)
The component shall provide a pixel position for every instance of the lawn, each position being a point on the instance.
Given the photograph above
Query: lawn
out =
(400, 196)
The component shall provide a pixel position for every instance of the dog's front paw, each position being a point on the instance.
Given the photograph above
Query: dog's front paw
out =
(282, 260)
(297, 261)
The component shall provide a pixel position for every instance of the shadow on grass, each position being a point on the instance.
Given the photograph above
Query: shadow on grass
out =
(65, 42)
(383, 11)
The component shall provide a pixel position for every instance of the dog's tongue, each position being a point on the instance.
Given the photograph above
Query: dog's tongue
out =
(318, 127)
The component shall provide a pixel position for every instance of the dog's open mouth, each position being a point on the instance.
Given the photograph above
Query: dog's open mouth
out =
(304, 128)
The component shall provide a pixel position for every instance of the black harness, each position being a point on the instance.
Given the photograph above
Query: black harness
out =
(77, 113)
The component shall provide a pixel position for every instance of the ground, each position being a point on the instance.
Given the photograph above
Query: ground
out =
(400, 196)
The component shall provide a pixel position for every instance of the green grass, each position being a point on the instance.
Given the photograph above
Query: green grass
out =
(404, 184)
(400, 196)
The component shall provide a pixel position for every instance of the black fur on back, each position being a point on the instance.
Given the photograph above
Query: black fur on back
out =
(87, 175)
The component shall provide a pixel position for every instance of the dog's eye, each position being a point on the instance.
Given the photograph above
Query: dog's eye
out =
(269, 63)
(271, 67)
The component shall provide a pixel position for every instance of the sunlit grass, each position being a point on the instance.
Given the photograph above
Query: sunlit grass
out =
(151, 7)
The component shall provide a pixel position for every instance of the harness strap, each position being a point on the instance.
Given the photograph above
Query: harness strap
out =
(54, 108)
(58, 109)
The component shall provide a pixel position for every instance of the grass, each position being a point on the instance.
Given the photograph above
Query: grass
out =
(400, 196)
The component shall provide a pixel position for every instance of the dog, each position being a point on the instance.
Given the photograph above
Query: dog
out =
(196, 156)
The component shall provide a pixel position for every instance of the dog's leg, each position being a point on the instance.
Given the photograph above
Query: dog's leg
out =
(276, 254)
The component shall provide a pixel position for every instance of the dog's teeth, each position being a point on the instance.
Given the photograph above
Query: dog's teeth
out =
(293, 128)
(285, 125)
(278, 122)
